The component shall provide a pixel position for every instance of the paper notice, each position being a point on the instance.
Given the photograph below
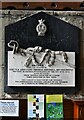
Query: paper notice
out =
(9, 108)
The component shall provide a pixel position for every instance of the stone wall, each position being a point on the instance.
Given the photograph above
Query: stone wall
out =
(8, 17)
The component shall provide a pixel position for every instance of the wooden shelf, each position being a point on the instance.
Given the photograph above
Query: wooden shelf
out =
(43, 5)
(78, 109)
(68, 110)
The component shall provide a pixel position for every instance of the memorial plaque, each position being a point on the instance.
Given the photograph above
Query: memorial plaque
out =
(41, 51)
(58, 73)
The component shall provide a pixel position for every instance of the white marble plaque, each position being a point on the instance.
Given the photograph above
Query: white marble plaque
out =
(60, 74)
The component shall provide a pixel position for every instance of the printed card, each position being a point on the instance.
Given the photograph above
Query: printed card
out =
(9, 108)
(35, 106)
(54, 107)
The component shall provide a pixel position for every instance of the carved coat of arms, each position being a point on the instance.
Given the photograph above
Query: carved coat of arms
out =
(41, 28)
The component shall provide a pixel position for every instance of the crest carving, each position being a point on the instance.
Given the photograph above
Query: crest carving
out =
(41, 28)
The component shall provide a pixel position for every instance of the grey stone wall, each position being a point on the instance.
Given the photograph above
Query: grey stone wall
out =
(8, 17)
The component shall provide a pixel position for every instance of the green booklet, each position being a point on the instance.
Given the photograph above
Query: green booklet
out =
(54, 107)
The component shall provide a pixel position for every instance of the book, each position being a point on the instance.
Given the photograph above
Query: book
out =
(54, 107)
(36, 107)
